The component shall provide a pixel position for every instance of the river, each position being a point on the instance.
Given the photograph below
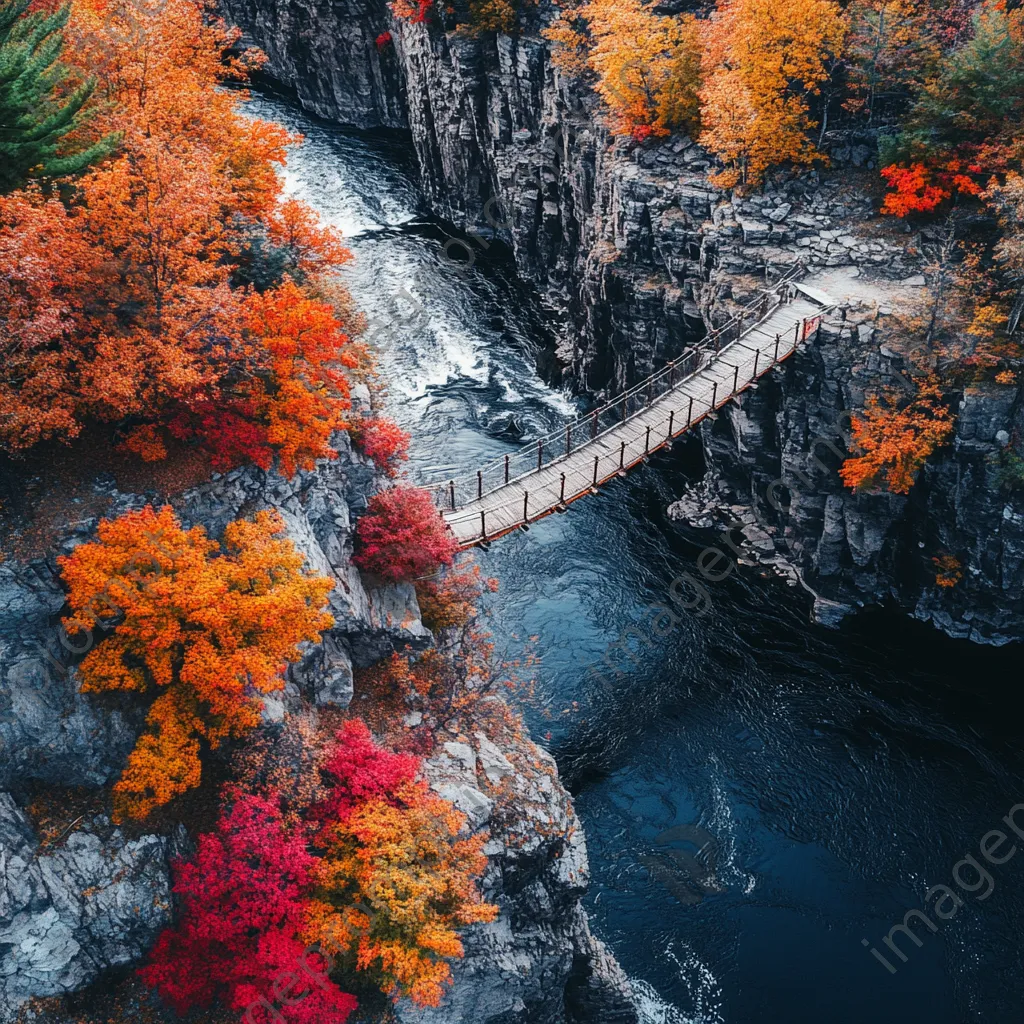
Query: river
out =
(829, 777)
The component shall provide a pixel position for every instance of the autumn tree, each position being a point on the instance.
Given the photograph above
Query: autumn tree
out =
(450, 601)
(382, 440)
(415, 11)
(889, 53)
(647, 66)
(357, 770)
(131, 301)
(402, 536)
(492, 16)
(395, 881)
(205, 628)
(964, 125)
(896, 438)
(763, 61)
(39, 110)
(242, 907)
(569, 38)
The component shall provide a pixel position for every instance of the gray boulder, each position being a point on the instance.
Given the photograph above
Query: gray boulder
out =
(97, 901)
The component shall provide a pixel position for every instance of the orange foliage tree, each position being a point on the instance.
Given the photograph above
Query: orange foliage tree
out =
(395, 880)
(120, 303)
(895, 441)
(206, 629)
(762, 60)
(949, 570)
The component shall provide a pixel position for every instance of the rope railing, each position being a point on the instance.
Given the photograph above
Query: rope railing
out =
(499, 472)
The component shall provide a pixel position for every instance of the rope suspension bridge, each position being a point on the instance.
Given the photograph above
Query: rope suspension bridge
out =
(547, 475)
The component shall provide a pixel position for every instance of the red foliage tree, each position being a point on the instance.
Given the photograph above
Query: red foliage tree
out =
(401, 536)
(360, 771)
(242, 907)
(382, 440)
(920, 188)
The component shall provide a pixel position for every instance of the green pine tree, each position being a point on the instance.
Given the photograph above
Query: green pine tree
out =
(34, 116)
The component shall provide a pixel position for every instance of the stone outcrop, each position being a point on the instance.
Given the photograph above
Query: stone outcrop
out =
(51, 733)
(95, 901)
(98, 899)
(538, 961)
(772, 477)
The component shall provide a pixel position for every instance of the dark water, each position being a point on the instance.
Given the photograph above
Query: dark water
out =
(831, 777)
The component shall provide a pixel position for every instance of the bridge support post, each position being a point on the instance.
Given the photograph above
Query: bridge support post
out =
(671, 418)
(596, 460)
(451, 491)
(483, 524)
(479, 483)
(757, 356)
(526, 502)
(735, 379)
(796, 333)
(689, 413)
(714, 395)
(647, 442)
(540, 453)
(777, 340)
(568, 439)
(506, 469)
(622, 457)
(561, 492)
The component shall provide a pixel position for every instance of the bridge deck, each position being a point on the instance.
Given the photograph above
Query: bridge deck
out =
(536, 494)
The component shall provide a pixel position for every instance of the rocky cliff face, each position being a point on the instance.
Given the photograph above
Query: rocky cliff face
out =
(772, 479)
(93, 898)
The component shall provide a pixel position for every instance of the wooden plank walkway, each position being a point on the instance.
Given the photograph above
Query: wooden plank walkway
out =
(535, 493)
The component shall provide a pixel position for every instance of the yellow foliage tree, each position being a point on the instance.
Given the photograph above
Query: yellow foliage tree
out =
(207, 629)
(762, 59)
(647, 65)
(393, 886)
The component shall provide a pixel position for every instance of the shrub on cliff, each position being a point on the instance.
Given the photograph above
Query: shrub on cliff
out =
(237, 942)
(204, 629)
(895, 440)
(395, 881)
(402, 536)
(382, 440)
